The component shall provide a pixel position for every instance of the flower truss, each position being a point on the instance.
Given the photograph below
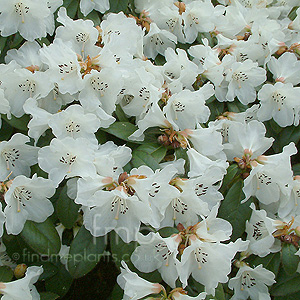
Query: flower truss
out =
(162, 135)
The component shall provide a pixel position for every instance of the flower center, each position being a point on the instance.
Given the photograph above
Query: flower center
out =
(121, 206)
(279, 99)
(247, 281)
(20, 9)
(10, 156)
(163, 250)
(21, 194)
(68, 159)
(201, 257)
(179, 207)
(28, 86)
(99, 85)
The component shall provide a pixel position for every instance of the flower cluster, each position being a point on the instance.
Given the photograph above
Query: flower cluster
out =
(161, 79)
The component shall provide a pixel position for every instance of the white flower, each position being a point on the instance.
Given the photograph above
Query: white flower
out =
(208, 62)
(27, 55)
(157, 41)
(86, 6)
(242, 78)
(286, 68)
(157, 253)
(134, 286)
(22, 84)
(209, 263)
(115, 210)
(197, 17)
(16, 156)
(26, 16)
(213, 229)
(247, 138)
(4, 106)
(101, 90)
(271, 178)
(279, 101)
(64, 68)
(187, 109)
(110, 159)
(179, 71)
(259, 231)
(185, 206)
(74, 122)
(67, 158)
(39, 121)
(199, 163)
(22, 289)
(27, 199)
(81, 33)
(251, 283)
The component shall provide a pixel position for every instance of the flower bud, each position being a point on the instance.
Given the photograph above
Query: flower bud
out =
(20, 270)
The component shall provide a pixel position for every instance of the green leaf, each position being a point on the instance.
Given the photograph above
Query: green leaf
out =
(71, 7)
(17, 40)
(289, 260)
(159, 60)
(287, 135)
(140, 158)
(286, 284)
(232, 172)
(6, 274)
(117, 293)
(3, 41)
(216, 108)
(67, 209)
(61, 282)
(122, 130)
(50, 269)
(167, 231)
(295, 296)
(48, 296)
(41, 237)
(118, 5)
(157, 151)
(85, 253)
(120, 250)
(6, 131)
(220, 295)
(270, 262)
(94, 16)
(120, 114)
(296, 169)
(233, 211)
(19, 123)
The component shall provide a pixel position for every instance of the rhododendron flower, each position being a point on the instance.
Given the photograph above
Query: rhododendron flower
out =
(22, 288)
(27, 199)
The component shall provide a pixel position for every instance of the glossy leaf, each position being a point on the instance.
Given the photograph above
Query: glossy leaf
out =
(289, 260)
(85, 253)
(41, 237)
(122, 130)
(286, 284)
(48, 296)
(61, 282)
(233, 211)
(67, 209)
(270, 262)
(140, 158)
(118, 5)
